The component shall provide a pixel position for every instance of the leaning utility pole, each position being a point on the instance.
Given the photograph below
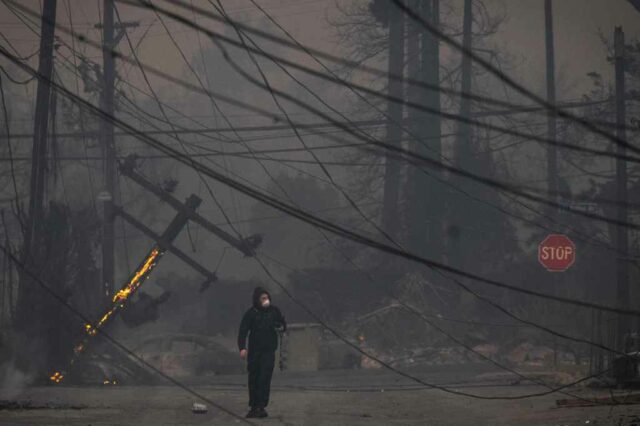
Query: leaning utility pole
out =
(552, 153)
(622, 238)
(394, 129)
(35, 219)
(108, 148)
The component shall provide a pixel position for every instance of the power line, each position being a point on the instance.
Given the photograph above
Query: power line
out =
(155, 96)
(81, 123)
(414, 158)
(418, 106)
(288, 118)
(217, 108)
(528, 207)
(221, 10)
(499, 208)
(232, 194)
(454, 170)
(11, 162)
(295, 45)
(389, 367)
(420, 315)
(268, 87)
(509, 81)
(300, 138)
(423, 158)
(219, 153)
(187, 131)
(304, 216)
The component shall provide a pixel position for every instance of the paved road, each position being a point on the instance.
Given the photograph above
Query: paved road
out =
(375, 398)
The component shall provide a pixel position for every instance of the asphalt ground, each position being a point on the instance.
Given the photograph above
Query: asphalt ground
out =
(354, 397)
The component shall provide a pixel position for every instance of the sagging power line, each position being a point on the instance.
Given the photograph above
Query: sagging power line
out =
(306, 217)
(413, 158)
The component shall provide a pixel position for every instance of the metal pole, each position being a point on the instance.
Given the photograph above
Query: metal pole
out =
(622, 237)
(39, 151)
(552, 154)
(107, 135)
(38, 156)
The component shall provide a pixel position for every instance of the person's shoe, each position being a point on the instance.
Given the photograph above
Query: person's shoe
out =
(252, 414)
(261, 413)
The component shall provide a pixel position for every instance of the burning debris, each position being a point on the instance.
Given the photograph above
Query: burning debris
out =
(121, 297)
(118, 302)
(57, 377)
(145, 308)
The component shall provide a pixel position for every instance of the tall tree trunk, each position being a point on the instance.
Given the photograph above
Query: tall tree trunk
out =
(459, 205)
(394, 131)
(425, 192)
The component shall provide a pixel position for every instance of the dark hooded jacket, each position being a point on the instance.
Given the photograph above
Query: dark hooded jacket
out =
(261, 324)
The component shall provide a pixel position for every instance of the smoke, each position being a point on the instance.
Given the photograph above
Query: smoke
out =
(13, 381)
(21, 358)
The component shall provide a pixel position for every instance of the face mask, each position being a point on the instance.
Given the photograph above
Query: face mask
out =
(266, 304)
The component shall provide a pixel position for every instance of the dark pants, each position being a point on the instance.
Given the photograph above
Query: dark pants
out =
(260, 367)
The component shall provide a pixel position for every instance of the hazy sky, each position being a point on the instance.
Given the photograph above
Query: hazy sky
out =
(577, 23)
(577, 26)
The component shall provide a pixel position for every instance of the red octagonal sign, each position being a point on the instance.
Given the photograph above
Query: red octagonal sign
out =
(557, 253)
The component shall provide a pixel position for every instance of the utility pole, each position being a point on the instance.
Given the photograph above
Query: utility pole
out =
(40, 128)
(107, 139)
(552, 153)
(35, 219)
(109, 39)
(394, 111)
(622, 237)
(246, 246)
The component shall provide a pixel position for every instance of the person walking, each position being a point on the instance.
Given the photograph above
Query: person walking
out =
(261, 324)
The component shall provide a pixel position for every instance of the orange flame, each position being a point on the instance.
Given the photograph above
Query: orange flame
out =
(135, 282)
(57, 377)
(118, 302)
(122, 295)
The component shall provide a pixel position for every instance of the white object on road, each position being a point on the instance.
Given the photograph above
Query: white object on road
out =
(199, 408)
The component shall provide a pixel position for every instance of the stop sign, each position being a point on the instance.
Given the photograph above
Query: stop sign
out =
(556, 252)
